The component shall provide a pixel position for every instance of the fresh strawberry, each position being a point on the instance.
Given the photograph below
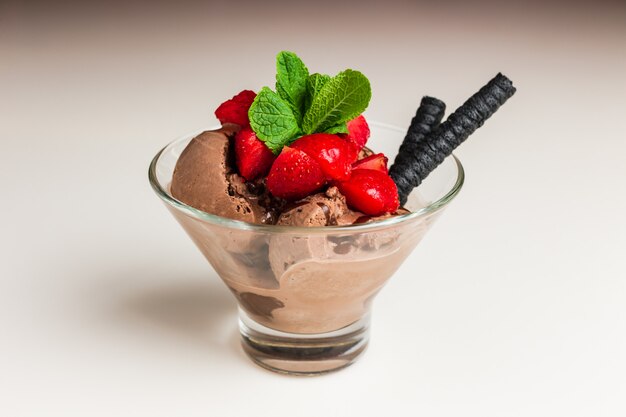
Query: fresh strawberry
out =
(377, 162)
(294, 175)
(370, 192)
(334, 155)
(236, 109)
(253, 158)
(358, 132)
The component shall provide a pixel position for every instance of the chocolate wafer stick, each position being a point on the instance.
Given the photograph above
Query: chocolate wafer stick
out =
(432, 150)
(428, 116)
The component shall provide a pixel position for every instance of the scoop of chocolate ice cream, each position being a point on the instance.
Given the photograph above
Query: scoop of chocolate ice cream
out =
(204, 178)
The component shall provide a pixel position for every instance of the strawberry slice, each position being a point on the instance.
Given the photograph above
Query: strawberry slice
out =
(358, 132)
(252, 157)
(370, 192)
(236, 109)
(377, 162)
(333, 154)
(294, 175)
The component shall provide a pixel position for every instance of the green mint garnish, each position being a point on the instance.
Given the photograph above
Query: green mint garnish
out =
(342, 98)
(291, 81)
(306, 104)
(272, 120)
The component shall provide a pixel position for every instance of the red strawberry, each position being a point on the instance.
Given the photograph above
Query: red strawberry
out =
(377, 162)
(253, 158)
(236, 109)
(334, 154)
(370, 192)
(358, 132)
(294, 175)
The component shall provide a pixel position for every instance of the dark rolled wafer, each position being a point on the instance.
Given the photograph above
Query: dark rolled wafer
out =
(428, 153)
(427, 117)
(428, 114)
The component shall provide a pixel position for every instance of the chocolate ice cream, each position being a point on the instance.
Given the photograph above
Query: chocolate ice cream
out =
(321, 209)
(299, 277)
(205, 179)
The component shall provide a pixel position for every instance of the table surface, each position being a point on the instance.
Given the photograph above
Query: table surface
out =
(513, 305)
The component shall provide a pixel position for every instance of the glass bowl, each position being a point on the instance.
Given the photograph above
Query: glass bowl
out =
(305, 293)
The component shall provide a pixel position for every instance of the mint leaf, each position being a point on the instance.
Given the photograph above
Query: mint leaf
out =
(342, 98)
(314, 84)
(272, 120)
(340, 128)
(291, 80)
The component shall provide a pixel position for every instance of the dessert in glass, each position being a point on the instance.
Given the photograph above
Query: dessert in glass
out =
(301, 220)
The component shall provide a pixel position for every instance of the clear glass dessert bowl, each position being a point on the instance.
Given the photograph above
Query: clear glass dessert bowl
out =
(305, 293)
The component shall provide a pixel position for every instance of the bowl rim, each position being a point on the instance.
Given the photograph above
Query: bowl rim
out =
(270, 228)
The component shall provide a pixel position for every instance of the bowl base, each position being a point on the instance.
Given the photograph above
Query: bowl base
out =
(303, 354)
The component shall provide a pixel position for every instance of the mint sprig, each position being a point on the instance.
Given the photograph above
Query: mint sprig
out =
(272, 120)
(306, 104)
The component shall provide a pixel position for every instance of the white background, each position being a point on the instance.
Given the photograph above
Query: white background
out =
(513, 305)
